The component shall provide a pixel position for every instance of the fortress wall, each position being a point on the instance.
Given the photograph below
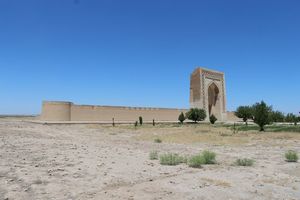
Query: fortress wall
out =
(67, 111)
(231, 117)
(56, 111)
(106, 113)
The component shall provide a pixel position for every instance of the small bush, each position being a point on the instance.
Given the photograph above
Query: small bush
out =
(196, 161)
(171, 159)
(141, 120)
(291, 156)
(196, 114)
(153, 155)
(153, 122)
(244, 162)
(209, 157)
(157, 140)
(212, 119)
(204, 158)
(181, 117)
(135, 124)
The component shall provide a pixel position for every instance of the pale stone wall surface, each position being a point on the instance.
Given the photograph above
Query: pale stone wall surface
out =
(106, 113)
(195, 90)
(67, 111)
(56, 111)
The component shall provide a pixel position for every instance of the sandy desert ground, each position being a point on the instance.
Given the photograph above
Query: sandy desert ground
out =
(103, 162)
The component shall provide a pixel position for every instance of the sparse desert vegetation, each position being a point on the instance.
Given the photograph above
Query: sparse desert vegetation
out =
(209, 157)
(291, 156)
(244, 162)
(123, 162)
(153, 155)
(157, 140)
(171, 159)
(204, 158)
(196, 161)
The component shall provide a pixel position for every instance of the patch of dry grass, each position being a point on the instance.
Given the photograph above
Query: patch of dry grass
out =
(217, 182)
(187, 138)
(196, 133)
(205, 133)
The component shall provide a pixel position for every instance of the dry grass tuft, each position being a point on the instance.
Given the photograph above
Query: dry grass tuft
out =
(217, 182)
(291, 156)
(171, 159)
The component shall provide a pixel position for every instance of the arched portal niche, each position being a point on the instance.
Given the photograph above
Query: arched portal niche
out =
(214, 101)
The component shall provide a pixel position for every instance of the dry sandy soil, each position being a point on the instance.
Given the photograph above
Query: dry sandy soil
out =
(101, 162)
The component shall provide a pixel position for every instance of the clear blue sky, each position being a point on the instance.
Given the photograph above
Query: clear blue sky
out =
(141, 53)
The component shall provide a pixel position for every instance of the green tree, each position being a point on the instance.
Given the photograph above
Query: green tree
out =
(181, 117)
(244, 112)
(277, 116)
(196, 114)
(261, 114)
(212, 119)
(290, 117)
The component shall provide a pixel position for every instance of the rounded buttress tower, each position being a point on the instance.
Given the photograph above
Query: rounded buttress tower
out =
(56, 111)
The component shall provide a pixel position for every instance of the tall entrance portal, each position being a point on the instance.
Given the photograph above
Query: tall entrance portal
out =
(207, 91)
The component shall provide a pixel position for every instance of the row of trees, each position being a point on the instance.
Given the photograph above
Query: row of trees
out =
(196, 114)
(262, 114)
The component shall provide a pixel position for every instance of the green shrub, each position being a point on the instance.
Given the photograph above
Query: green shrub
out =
(157, 140)
(153, 155)
(196, 161)
(135, 124)
(212, 119)
(153, 122)
(204, 158)
(196, 114)
(171, 159)
(291, 156)
(141, 120)
(181, 118)
(209, 157)
(244, 162)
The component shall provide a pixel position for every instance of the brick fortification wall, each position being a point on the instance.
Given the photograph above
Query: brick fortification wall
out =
(56, 111)
(67, 111)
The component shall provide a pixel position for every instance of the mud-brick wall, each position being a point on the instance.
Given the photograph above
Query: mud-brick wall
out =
(56, 111)
(67, 111)
(106, 113)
